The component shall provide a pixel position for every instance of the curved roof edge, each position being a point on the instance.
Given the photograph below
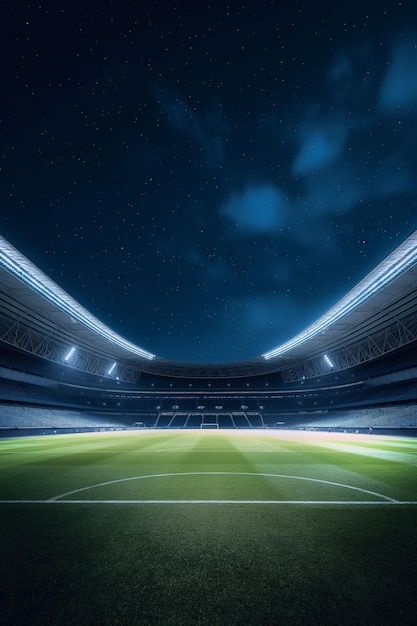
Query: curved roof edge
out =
(18, 265)
(389, 292)
(395, 264)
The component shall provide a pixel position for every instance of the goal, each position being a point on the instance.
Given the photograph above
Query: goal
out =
(208, 426)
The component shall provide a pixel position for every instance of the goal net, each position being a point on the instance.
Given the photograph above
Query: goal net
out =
(208, 426)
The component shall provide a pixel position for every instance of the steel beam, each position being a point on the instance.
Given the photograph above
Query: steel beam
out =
(399, 334)
(18, 335)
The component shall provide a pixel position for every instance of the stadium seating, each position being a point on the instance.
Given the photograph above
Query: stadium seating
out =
(23, 416)
(225, 420)
(178, 420)
(255, 420)
(194, 421)
(15, 416)
(387, 417)
(240, 420)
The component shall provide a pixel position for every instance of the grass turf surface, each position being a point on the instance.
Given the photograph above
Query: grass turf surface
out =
(92, 562)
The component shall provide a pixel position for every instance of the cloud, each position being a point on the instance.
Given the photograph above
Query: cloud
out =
(258, 209)
(347, 156)
(205, 130)
(267, 310)
(343, 186)
(302, 215)
(320, 145)
(337, 188)
(342, 68)
(399, 86)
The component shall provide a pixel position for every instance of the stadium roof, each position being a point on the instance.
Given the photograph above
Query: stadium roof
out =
(388, 292)
(20, 267)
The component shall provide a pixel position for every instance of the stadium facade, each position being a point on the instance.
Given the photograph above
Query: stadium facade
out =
(355, 367)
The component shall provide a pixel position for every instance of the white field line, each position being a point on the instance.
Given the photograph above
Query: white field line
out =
(245, 502)
(284, 476)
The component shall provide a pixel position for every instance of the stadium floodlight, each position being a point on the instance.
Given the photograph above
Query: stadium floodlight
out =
(395, 264)
(69, 354)
(328, 361)
(111, 369)
(18, 265)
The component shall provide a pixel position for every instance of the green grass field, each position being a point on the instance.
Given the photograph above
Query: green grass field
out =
(208, 527)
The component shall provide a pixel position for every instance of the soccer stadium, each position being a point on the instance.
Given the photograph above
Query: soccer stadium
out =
(136, 489)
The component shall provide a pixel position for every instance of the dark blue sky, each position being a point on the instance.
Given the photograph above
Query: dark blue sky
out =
(208, 179)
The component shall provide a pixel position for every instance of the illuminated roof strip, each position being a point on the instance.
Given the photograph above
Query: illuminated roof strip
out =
(18, 265)
(401, 259)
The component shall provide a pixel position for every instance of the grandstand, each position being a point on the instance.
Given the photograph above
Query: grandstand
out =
(390, 417)
(395, 418)
(60, 367)
(15, 416)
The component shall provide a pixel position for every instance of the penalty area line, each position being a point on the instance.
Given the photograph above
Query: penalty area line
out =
(244, 502)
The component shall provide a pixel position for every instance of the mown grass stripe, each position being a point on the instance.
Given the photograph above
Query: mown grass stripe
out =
(256, 502)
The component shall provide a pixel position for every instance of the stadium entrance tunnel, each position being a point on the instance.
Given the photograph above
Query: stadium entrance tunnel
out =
(221, 488)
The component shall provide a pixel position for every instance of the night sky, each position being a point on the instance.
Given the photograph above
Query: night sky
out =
(207, 178)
